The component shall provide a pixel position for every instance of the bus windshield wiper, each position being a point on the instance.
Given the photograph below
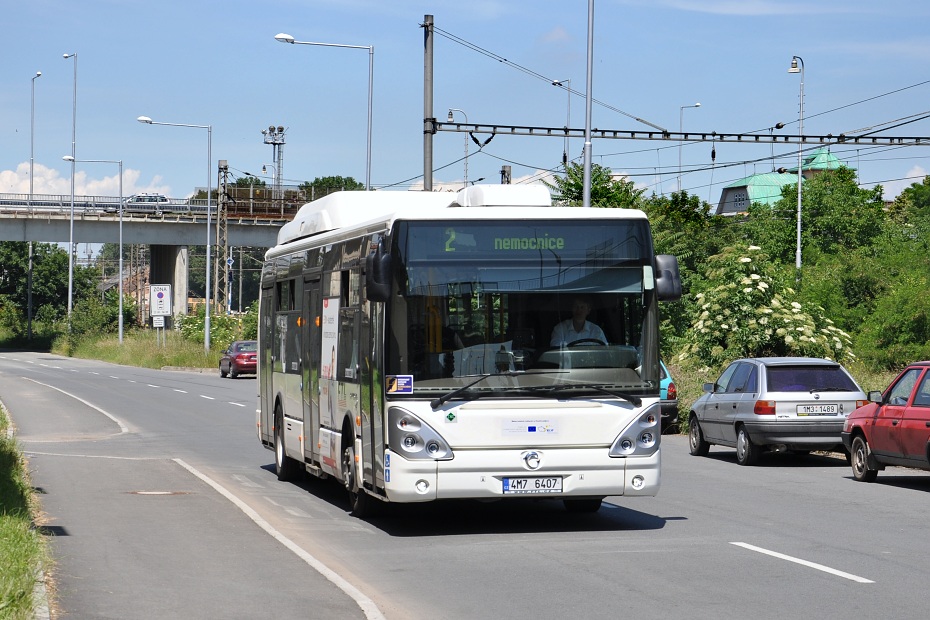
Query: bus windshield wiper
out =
(635, 400)
(439, 402)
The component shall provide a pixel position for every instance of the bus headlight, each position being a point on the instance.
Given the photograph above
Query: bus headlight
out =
(414, 439)
(641, 437)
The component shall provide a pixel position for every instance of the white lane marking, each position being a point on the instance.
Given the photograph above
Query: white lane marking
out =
(236, 404)
(114, 377)
(94, 456)
(813, 565)
(93, 373)
(207, 397)
(245, 481)
(180, 391)
(366, 604)
(122, 427)
(154, 386)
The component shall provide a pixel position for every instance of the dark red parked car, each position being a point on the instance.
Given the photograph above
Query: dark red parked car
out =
(893, 428)
(239, 359)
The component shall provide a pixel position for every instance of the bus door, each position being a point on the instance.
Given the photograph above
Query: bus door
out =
(372, 394)
(310, 373)
(266, 347)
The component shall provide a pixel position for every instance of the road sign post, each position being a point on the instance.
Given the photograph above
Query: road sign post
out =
(159, 305)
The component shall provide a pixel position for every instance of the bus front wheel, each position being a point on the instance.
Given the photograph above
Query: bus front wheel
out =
(360, 504)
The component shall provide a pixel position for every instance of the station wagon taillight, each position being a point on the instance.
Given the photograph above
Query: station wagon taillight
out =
(764, 407)
(672, 392)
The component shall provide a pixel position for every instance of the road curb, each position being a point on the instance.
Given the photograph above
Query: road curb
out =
(202, 371)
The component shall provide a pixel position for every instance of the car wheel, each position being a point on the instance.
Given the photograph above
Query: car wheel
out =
(582, 505)
(223, 373)
(696, 441)
(232, 372)
(360, 504)
(285, 467)
(859, 457)
(747, 453)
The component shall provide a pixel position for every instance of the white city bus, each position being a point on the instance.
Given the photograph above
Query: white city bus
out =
(406, 347)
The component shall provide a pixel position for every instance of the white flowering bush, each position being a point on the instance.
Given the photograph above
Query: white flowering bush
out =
(743, 313)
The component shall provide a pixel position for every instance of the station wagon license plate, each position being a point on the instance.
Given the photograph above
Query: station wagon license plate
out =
(517, 486)
(818, 409)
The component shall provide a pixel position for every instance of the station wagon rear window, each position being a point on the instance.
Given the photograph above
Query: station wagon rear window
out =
(807, 378)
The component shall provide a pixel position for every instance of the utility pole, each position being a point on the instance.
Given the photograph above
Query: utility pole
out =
(429, 122)
(221, 268)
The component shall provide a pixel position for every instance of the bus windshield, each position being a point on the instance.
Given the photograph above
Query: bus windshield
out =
(531, 304)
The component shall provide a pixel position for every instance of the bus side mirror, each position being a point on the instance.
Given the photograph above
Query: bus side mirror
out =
(668, 279)
(378, 272)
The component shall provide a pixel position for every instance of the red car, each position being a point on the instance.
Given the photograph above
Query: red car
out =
(239, 359)
(893, 428)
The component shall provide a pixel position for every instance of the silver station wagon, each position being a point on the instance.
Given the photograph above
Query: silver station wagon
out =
(777, 404)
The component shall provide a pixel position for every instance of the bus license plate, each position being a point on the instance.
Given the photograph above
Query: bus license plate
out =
(818, 409)
(515, 486)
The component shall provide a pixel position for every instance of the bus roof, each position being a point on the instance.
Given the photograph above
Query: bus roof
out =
(362, 209)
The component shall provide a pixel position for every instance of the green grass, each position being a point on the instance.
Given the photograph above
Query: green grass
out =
(23, 550)
(141, 348)
(689, 382)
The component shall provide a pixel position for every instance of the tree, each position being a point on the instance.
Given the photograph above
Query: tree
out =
(322, 186)
(836, 217)
(49, 275)
(606, 191)
(249, 181)
(913, 204)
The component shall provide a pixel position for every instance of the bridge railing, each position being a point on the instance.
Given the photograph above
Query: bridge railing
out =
(242, 202)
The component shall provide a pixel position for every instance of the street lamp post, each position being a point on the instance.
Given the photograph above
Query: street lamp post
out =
(567, 84)
(206, 325)
(451, 110)
(274, 179)
(120, 162)
(71, 219)
(681, 117)
(286, 38)
(32, 131)
(795, 69)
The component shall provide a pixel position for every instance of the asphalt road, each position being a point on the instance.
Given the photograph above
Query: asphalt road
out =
(163, 504)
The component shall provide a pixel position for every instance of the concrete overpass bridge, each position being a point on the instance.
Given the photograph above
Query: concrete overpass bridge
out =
(181, 223)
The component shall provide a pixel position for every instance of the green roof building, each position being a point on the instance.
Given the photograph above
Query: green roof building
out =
(766, 187)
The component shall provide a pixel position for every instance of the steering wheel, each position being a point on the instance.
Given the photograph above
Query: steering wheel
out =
(587, 341)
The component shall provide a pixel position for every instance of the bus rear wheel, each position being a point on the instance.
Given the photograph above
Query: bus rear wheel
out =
(360, 504)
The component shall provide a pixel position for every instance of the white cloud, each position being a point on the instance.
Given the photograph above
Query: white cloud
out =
(86, 183)
(556, 35)
(892, 188)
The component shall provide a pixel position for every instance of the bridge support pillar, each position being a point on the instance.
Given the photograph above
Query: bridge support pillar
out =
(169, 265)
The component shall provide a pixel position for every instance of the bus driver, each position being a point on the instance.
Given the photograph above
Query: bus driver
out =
(578, 327)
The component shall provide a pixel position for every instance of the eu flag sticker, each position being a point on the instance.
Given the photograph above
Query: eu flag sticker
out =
(400, 384)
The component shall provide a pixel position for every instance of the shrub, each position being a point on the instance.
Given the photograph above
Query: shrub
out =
(743, 314)
(224, 328)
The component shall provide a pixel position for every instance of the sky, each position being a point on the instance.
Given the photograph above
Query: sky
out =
(218, 64)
